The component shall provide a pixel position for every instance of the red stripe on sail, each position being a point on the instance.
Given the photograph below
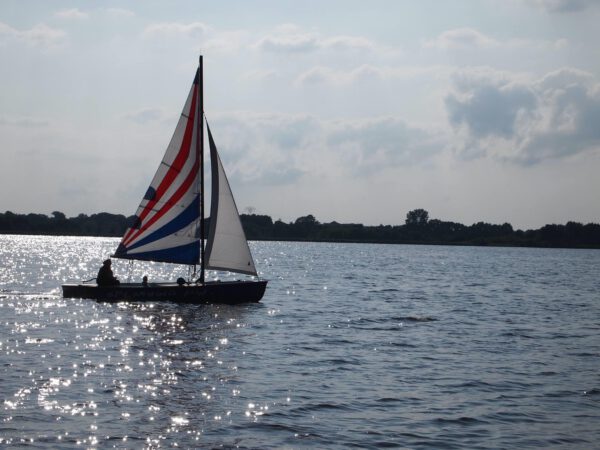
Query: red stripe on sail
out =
(173, 171)
(185, 186)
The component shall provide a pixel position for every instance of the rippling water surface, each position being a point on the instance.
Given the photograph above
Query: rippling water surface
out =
(352, 346)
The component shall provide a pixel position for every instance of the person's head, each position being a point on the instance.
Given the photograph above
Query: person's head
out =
(107, 262)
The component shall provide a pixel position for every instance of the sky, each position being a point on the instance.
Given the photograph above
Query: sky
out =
(353, 111)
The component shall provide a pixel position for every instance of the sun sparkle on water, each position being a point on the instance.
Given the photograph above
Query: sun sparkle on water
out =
(423, 344)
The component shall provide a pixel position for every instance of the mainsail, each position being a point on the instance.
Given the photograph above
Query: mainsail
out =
(167, 224)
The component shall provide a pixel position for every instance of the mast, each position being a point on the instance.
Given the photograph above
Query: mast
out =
(200, 151)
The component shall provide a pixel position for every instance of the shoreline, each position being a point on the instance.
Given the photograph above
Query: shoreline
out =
(356, 241)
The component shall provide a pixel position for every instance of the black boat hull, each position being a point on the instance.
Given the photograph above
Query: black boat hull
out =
(228, 292)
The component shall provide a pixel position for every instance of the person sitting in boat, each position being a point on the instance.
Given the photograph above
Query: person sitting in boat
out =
(105, 275)
(145, 281)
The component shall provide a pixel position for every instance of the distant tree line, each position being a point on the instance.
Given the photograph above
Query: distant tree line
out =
(417, 229)
(101, 224)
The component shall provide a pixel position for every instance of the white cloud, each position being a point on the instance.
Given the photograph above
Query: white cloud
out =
(261, 148)
(261, 75)
(43, 35)
(289, 38)
(23, 122)
(469, 38)
(225, 41)
(320, 74)
(284, 39)
(210, 38)
(296, 42)
(327, 75)
(524, 120)
(378, 143)
(40, 35)
(72, 14)
(348, 43)
(194, 29)
(342, 78)
(120, 12)
(461, 38)
(264, 149)
(145, 115)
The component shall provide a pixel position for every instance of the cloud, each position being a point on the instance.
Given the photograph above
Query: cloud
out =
(120, 12)
(265, 149)
(289, 42)
(261, 75)
(525, 120)
(289, 38)
(270, 149)
(320, 74)
(210, 38)
(490, 108)
(144, 116)
(375, 144)
(563, 6)
(72, 14)
(469, 38)
(172, 29)
(225, 41)
(348, 43)
(335, 77)
(461, 38)
(23, 122)
(284, 39)
(40, 35)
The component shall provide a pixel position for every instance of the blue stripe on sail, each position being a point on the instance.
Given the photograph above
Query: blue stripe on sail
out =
(190, 214)
(120, 252)
(184, 254)
(150, 193)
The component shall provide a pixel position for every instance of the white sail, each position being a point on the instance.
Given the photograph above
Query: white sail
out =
(226, 247)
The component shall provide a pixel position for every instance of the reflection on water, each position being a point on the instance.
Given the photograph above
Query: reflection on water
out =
(112, 370)
(353, 345)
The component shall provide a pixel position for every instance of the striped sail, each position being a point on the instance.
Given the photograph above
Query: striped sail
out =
(226, 247)
(167, 222)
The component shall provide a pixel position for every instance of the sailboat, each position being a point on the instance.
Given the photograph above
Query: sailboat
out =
(169, 224)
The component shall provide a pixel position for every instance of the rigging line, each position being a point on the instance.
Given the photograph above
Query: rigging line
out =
(161, 202)
(166, 203)
(171, 167)
(200, 154)
(131, 262)
(154, 210)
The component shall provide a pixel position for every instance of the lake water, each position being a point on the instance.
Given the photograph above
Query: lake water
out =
(352, 346)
